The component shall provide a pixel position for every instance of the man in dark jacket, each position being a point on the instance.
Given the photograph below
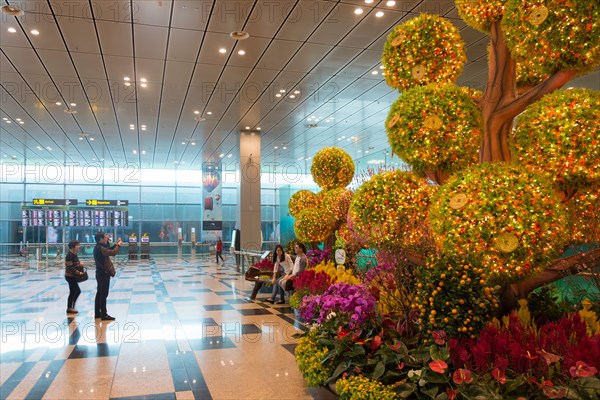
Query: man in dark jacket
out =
(104, 270)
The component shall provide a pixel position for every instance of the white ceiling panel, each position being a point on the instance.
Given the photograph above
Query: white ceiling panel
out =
(150, 41)
(24, 59)
(115, 38)
(191, 14)
(370, 28)
(80, 35)
(114, 10)
(268, 16)
(304, 18)
(89, 66)
(184, 45)
(278, 54)
(309, 55)
(339, 23)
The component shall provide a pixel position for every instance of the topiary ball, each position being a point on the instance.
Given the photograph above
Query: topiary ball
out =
(390, 210)
(314, 225)
(332, 168)
(583, 212)
(560, 136)
(454, 295)
(301, 200)
(556, 35)
(426, 49)
(511, 220)
(338, 202)
(480, 14)
(435, 127)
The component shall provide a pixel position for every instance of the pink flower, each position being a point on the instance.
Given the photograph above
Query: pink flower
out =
(462, 376)
(451, 393)
(581, 369)
(553, 393)
(438, 366)
(439, 337)
(499, 376)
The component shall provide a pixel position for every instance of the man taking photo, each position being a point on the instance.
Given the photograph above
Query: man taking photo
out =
(104, 270)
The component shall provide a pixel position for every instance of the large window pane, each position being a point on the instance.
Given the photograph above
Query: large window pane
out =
(131, 193)
(152, 194)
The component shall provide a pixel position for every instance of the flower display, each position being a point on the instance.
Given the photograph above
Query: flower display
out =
(560, 136)
(301, 200)
(338, 202)
(264, 265)
(556, 35)
(435, 127)
(509, 219)
(344, 234)
(423, 50)
(358, 387)
(354, 303)
(313, 225)
(453, 295)
(317, 256)
(583, 212)
(332, 168)
(390, 210)
(309, 356)
(480, 14)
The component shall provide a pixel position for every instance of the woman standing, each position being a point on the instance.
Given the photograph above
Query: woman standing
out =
(283, 265)
(73, 268)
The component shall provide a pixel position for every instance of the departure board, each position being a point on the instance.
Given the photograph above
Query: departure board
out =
(74, 217)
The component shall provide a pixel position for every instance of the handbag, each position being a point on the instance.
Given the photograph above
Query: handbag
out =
(82, 277)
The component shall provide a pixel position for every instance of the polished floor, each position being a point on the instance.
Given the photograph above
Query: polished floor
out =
(184, 329)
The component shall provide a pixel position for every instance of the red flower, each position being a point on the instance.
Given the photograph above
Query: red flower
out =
(553, 393)
(439, 337)
(451, 393)
(342, 333)
(549, 357)
(400, 366)
(581, 369)
(499, 376)
(462, 376)
(438, 366)
(376, 343)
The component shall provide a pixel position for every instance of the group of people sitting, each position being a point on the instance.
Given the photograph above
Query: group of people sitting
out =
(284, 272)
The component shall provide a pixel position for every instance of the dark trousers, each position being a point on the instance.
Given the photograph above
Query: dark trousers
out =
(74, 292)
(103, 281)
(219, 255)
(257, 286)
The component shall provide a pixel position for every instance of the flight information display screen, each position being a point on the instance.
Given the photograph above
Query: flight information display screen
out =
(71, 217)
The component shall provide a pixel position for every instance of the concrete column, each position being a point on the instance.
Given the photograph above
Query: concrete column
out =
(249, 201)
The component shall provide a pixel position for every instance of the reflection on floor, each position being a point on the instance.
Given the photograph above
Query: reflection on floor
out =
(184, 330)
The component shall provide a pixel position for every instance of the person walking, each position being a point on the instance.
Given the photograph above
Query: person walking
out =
(73, 268)
(104, 271)
(219, 250)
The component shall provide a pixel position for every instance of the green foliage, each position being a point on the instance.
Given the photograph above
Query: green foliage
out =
(314, 225)
(332, 168)
(358, 387)
(438, 127)
(302, 200)
(310, 357)
(567, 38)
(545, 306)
(559, 136)
(480, 14)
(509, 219)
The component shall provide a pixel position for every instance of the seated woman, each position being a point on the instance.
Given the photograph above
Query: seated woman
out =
(300, 264)
(283, 265)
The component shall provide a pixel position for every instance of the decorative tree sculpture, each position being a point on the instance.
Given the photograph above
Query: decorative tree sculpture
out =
(535, 48)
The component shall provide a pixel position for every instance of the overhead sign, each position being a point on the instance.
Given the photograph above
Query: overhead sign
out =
(54, 202)
(107, 203)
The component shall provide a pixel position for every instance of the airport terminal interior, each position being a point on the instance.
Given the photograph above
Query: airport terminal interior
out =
(134, 117)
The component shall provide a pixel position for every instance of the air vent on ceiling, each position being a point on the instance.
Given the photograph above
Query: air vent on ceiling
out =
(70, 111)
(312, 126)
(13, 11)
(239, 35)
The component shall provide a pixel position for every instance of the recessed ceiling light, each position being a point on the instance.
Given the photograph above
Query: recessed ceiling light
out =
(4, 119)
(58, 103)
(127, 83)
(221, 155)
(196, 112)
(126, 78)
(49, 148)
(229, 155)
(381, 67)
(258, 129)
(296, 92)
(282, 91)
(247, 128)
(292, 96)
(143, 151)
(182, 142)
(39, 147)
(92, 139)
(143, 80)
(209, 113)
(18, 119)
(131, 127)
(239, 35)
(73, 104)
(143, 84)
(143, 126)
(276, 147)
(390, 3)
(35, 32)
(374, 72)
(368, 1)
(9, 122)
(193, 143)
(278, 95)
(21, 122)
(241, 52)
(81, 138)
(284, 147)
(12, 30)
(358, 11)
(134, 151)
(379, 14)
(222, 51)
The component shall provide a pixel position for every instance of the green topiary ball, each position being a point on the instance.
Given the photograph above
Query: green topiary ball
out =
(332, 168)
(480, 14)
(583, 212)
(390, 210)
(509, 219)
(338, 202)
(435, 127)
(555, 35)
(560, 136)
(314, 225)
(454, 295)
(301, 200)
(426, 49)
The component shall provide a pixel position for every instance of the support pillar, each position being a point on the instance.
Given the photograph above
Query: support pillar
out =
(249, 201)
